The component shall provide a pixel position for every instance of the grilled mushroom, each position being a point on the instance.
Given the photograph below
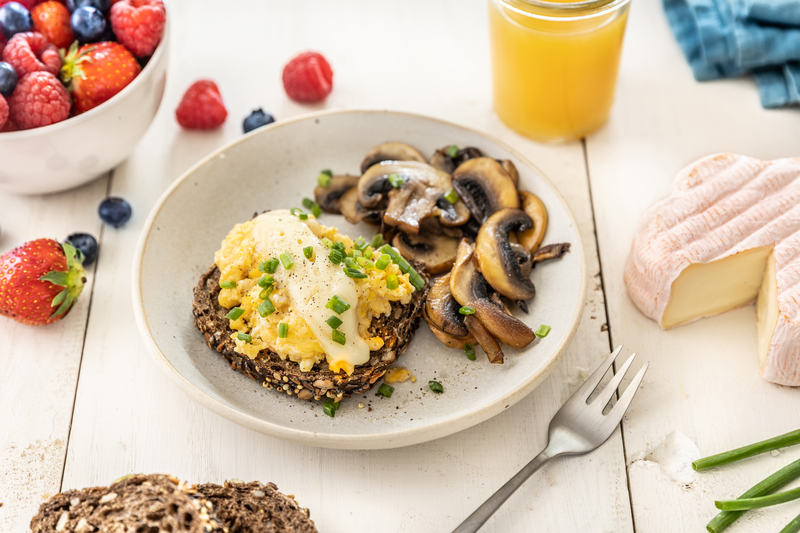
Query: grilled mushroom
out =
(511, 169)
(452, 342)
(442, 159)
(534, 208)
(441, 309)
(551, 251)
(354, 212)
(484, 187)
(391, 151)
(485, 339)
(466, 283)
(435, 252)
(524, 258)
(415, 191)
(496, 259)
(504, 327)
(328, 197)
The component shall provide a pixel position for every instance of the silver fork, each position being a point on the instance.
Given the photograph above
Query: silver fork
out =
(578, 428)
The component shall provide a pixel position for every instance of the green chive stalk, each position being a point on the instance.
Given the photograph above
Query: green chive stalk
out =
(757, 503)
(723, 520)
(793, 526)
(782, 441)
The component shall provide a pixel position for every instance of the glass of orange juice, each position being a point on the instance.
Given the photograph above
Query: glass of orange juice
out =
(555, 64)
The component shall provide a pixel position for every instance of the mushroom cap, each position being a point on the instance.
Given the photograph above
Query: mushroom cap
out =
(511, 169)
(485, 339)
(485, 187)
(466, 283)
(504, 327)
(391, 151)
(441, 309)
(436, 252)
(496, 259)
(420, 194)
(534, 208)
(450, 341)
(551, 251)
(442, 160)
(354, 212)
(328, 197)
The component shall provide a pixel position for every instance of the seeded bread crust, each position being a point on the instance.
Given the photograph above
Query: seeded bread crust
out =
(256, 508)
(139, 503)
(272, 372)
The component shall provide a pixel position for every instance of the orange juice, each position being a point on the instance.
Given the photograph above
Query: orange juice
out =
(555, 64)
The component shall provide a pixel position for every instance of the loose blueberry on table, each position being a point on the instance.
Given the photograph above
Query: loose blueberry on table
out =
(115, 211)
(86, 245)
(257, 119)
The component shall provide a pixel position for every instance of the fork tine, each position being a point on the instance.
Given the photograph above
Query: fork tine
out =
(625, 400)
(594, 380)
(605, 395)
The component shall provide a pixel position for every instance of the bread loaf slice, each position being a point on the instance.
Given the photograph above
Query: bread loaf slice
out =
(256, 508)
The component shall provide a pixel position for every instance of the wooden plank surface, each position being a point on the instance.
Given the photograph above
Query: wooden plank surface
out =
(703, 381)
(429, 58)
(39, 365)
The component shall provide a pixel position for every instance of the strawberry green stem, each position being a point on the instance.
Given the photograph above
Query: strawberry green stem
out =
(73, 281)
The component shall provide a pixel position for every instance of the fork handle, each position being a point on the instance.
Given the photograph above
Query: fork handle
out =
(476, 520)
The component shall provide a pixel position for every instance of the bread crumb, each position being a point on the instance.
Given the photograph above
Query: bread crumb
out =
(360, 405)
(413, 379)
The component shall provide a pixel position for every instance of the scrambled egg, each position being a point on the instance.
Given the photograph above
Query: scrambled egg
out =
(238, 261)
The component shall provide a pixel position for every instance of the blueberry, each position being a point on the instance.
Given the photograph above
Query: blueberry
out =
(103, 5)
(8, 79)
(86, 244)
(257, 119)
(14, 18)
(88, 24)
(115, 211)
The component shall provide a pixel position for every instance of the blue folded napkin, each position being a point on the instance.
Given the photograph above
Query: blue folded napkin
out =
(725, 38)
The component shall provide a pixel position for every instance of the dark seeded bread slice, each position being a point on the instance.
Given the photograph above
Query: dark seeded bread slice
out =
(139, 503)
(272, 372)
(256, 508)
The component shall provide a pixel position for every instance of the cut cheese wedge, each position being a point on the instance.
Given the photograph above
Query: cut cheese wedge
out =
(727, 236)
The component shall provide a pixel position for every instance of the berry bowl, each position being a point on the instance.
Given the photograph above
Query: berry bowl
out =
(82, 148)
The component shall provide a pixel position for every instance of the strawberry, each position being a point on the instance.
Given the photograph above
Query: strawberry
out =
(308, 78)
(30, 52)
(3, 112)
(39, 281)
(201, 107)
(139, 24)
(52, 20)
(96, 72)
(38, 100)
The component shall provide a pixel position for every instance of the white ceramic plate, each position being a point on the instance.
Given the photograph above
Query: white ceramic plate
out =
(275, 167)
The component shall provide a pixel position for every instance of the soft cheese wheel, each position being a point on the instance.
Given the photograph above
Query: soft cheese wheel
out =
(705, 249)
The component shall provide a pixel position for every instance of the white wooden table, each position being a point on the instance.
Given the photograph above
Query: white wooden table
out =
(81, 402)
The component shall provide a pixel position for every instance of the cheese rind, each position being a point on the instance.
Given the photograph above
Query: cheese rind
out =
(703, 251)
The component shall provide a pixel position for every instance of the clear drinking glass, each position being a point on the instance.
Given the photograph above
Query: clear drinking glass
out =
(555, 64)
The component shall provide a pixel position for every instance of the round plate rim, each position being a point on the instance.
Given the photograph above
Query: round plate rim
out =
(384, 440)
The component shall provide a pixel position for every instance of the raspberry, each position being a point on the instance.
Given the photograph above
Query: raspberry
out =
(139, 24)
(30, 52)
(52, 20)
(3, 112)
(201, 108)
(39, 100)
(308, 78)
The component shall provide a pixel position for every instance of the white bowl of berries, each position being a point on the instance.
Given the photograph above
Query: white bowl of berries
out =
(71, 112)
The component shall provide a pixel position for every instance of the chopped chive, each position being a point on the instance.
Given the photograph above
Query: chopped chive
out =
(377, 240)
(451, 196)
(317, 210)
(228, 284)
(745, 504)
(364, 262)
(338, 245)
(308, 251)
(299, 213)
(452, 150)
(323, 180)
(350, 254)
(391, 252)
(263, 295)
(385, 390)
(792, 527)
(327, 242)
(357, 253)
(266, 308)
(392, 282)
(396, 180)
(286, 260)
(308, 203)
(467, 310)
(368, 253)
(330, 407)
(383, 262)
(334, 322)
(235, 313)
(349, 262)
(354, 273)
(336, 257)
(337, 305)
(263, 266)
(542, 331)
(338, 337)
(283, 330)
(764, 446)
(244, 337)
(271, 266)
(416, 280)
(403, 265)
(469, 351)
(436, 387)
(328, 172)
(265, 281)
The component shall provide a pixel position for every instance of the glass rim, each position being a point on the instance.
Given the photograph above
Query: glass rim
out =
(567, 11)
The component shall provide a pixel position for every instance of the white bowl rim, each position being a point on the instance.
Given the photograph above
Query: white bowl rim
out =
(392, 439)
(83, 117)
